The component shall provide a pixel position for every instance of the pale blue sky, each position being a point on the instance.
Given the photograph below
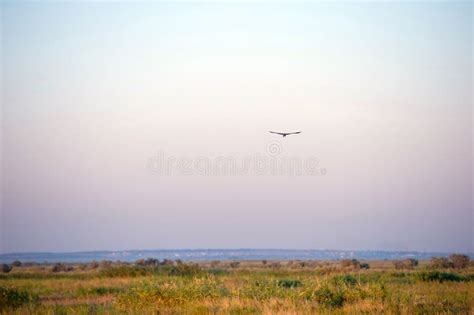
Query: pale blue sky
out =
(91, 91)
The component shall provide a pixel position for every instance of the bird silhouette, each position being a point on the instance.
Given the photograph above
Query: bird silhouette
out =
(284, 134)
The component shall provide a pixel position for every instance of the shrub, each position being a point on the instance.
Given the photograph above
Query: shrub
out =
(350, 263)
(58, 267)
(13, 298)
(16, 263)
(148, 262)
(6, 268)
(440, 262)
(459, 261)
(289, 283)
(405, 263)
(364, 266)
(167, 262)
(264, 262)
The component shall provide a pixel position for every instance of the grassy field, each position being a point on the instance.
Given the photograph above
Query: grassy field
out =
(285, 287)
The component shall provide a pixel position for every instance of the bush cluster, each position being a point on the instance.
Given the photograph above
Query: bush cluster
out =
(458, 261)
(354, 263)
(6, 268)
(147, 262)
(58, 267)
(364, 266)
(16, 263)
(409, 263)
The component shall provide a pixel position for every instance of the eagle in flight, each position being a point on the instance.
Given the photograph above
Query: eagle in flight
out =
(284, 134)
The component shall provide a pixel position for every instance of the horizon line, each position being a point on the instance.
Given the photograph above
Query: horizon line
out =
(236, 249)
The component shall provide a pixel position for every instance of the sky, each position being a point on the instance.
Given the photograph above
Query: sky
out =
(96, 97)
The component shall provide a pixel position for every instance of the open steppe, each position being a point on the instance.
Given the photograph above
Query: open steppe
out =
(238, 287)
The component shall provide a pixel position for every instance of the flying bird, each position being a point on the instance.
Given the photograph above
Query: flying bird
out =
(284, 134)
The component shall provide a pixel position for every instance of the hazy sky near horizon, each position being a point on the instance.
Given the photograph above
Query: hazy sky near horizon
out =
(93, 91)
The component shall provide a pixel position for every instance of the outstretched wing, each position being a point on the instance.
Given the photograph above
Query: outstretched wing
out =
(278, 133)
(294, 133)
